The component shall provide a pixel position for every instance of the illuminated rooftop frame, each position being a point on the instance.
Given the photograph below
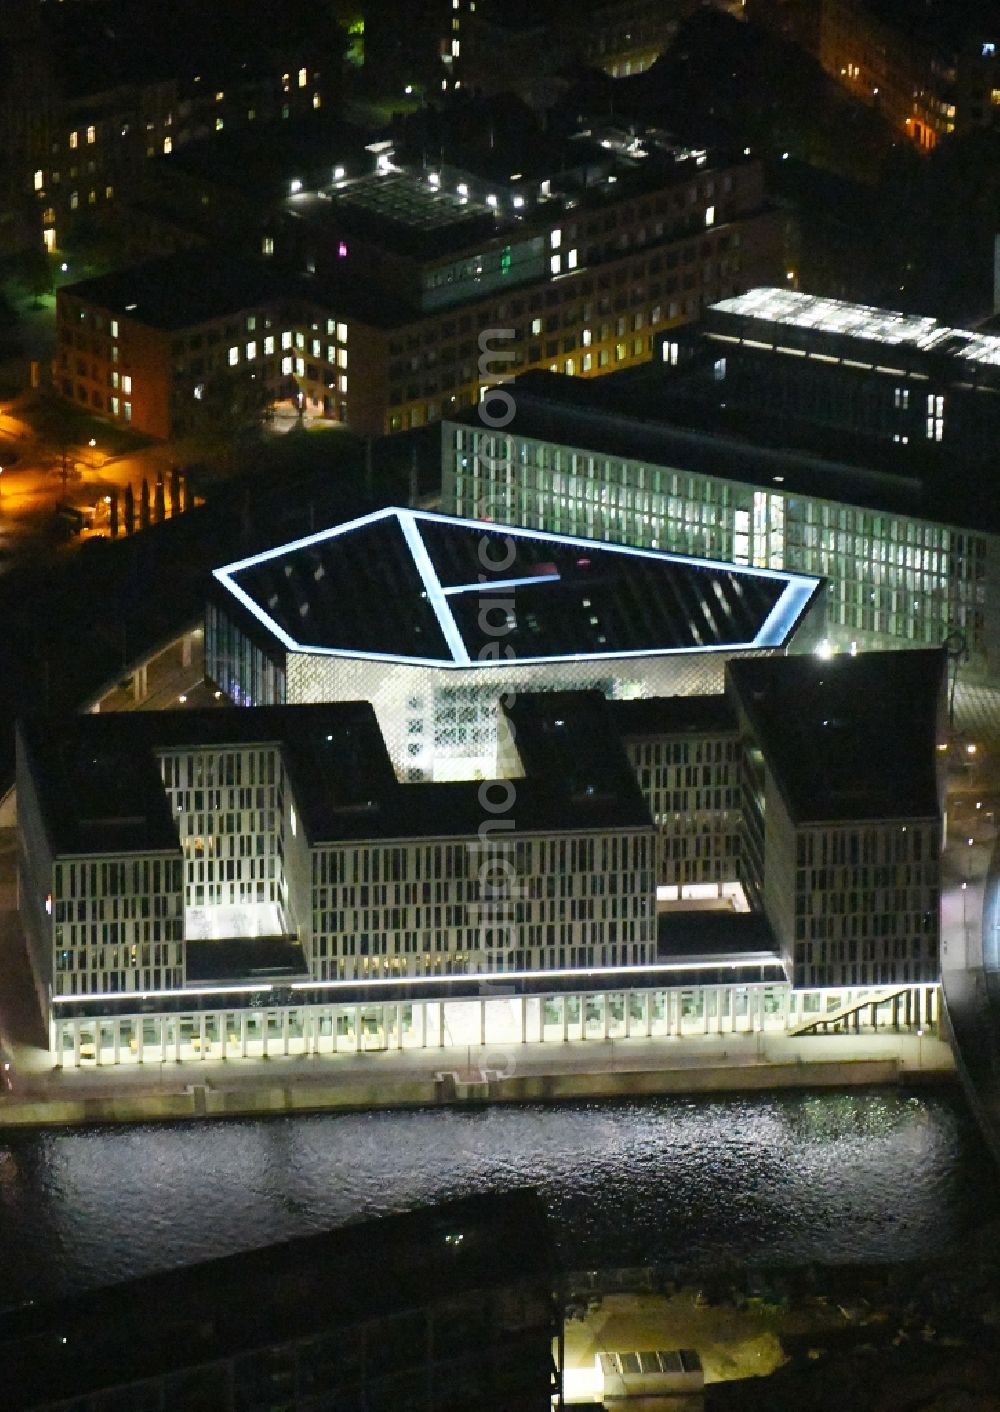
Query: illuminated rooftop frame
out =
(793, 309)
(773, 632)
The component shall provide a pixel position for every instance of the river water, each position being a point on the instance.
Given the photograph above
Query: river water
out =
(784, 1179)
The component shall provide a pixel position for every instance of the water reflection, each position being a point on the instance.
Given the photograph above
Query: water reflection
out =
(840, 1177)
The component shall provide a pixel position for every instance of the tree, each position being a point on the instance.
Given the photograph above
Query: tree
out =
(129, 509)
(144, 504)
(160, 503)
(227, 414)
(36, 273)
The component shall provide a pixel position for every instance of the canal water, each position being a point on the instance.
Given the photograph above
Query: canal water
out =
(787, 1179)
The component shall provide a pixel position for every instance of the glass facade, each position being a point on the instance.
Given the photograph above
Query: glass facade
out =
(892, 578)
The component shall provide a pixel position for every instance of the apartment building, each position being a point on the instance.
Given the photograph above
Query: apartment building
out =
(932, 70)
(434, 619)
(909, 558)
(97, 92)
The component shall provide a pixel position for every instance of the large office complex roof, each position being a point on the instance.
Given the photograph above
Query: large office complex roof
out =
(848, 738)
(790, 309)
(424, 588)
(100, 787)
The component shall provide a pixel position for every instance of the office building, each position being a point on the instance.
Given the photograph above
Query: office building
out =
(884, 378)
(815, 784)
(685, 752)
(910, 553)
(570, 254)
(434, 619)
(170, 850)
(447, 1308)
(842, 811)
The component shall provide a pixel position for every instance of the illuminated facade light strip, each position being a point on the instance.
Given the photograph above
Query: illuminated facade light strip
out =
(437, 595)
(602, 546)
(492, 585)
(785, 614)
(265, 618)
(363, 520)
(737, 962)
(433, 589)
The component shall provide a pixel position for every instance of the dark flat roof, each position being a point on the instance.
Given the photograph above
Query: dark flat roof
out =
(308, 1286)
(415, 586)
(566, 736)
(182, 290)
(340, 773)
(650, 716)
(849, 738)
(640, 415)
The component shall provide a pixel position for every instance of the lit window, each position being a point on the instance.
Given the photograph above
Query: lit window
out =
(127, 384)
(114, 381)
(587, 363)
(456, 48)
(74, 139)
(128, 411)
(569, 367)
(267, 245)
(74, 200)
(168, 146)
(586, 338)
(995, 97)
(536, 326)
(341, 333)
(219, 124)
(339, 173)
(300, 367)
(39, 180)
(269, 345)
(571, 260)
(331, 353)
(115, 406)
(91, 134)
(670, 351)
(286, 339)
(555, 239)
(710, 215)
(555, 264)
(114, 328)
(286, 367)
(341, 357)
(342, 383)
(251, 350)
(234, 357)
(303, 77)
(317, 101)
(315, 349)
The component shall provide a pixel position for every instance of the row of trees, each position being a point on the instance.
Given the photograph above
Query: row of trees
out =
(170, 496)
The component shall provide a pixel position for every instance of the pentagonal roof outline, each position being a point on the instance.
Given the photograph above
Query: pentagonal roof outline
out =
(420, 588)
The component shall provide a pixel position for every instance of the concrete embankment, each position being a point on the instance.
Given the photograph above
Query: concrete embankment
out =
(260, 1098)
